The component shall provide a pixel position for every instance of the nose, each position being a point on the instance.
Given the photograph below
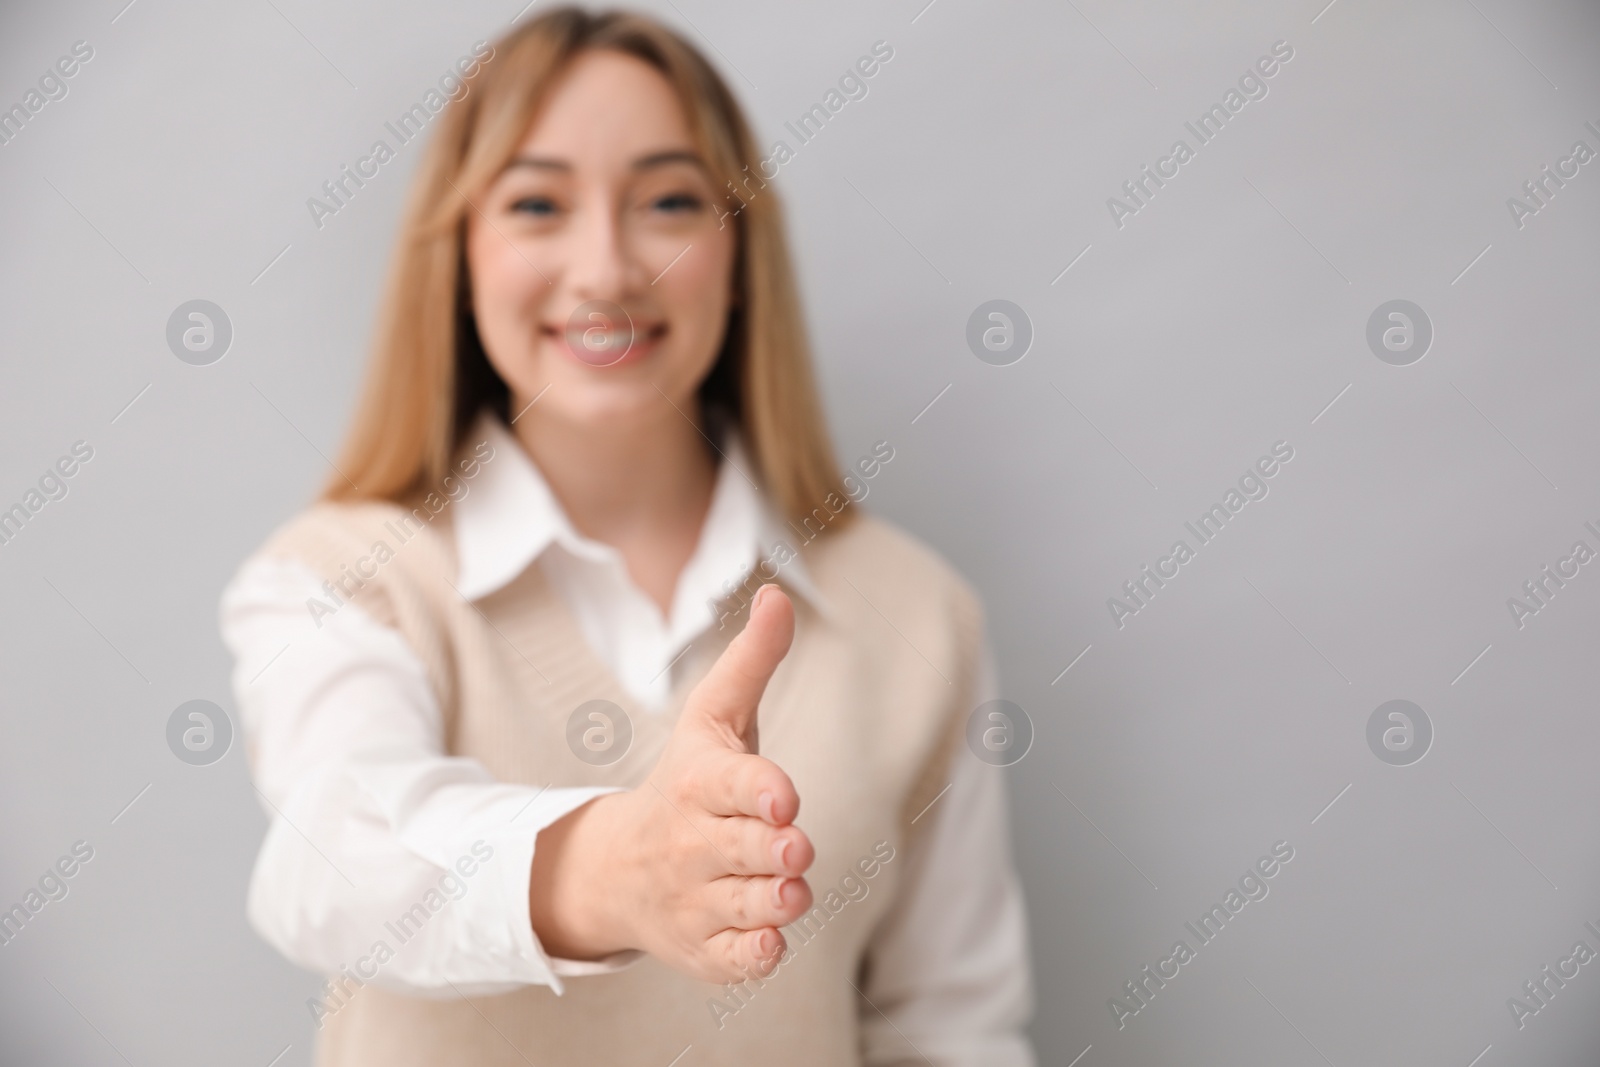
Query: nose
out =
(599, 266)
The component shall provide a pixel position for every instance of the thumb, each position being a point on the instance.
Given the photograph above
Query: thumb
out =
(727, 696)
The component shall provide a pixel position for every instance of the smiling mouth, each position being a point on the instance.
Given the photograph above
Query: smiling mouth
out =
(600, 345)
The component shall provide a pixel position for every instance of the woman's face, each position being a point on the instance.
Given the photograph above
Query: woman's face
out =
(605, 218)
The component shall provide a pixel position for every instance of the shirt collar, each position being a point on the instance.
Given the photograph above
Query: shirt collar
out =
(511, 516)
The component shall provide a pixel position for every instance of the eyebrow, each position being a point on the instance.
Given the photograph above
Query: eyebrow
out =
(647, 162)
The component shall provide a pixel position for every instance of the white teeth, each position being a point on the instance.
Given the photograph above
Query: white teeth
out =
(600, 340)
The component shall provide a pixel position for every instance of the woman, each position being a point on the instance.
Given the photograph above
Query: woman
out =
(501, 683)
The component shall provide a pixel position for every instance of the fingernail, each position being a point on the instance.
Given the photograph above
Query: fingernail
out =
(767, 943)
(765, 802)
(777, 891)
(761, 595)
(780, 853)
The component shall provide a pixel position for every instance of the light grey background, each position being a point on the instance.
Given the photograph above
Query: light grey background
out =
(1223, 317)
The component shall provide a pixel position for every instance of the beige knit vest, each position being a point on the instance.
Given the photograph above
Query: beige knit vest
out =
(865, 714)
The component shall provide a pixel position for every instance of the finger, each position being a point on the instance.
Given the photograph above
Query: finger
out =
(756, 903)
(728, 695)
(743, 954)
(738, 783)
(754, 847)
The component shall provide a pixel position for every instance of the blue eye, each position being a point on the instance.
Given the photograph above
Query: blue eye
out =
(679, 202)
(535, 205)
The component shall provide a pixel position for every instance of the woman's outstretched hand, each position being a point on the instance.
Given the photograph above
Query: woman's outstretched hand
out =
(701, 864)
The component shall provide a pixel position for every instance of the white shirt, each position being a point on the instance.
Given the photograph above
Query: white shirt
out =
(370, 816)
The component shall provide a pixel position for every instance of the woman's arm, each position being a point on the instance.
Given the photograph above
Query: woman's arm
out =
(377, 837)
(392, 861)
(949, 980)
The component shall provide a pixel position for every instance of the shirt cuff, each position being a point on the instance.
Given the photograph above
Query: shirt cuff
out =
(517, 844)
(605, 965)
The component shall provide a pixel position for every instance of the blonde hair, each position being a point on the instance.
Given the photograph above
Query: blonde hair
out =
(428, 376)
